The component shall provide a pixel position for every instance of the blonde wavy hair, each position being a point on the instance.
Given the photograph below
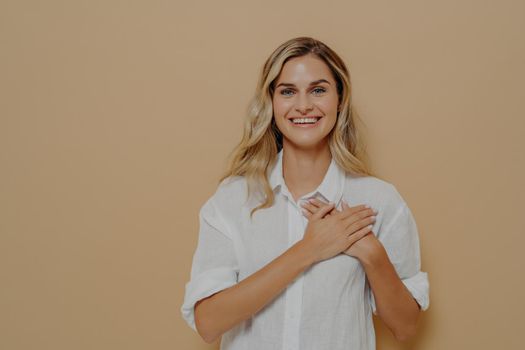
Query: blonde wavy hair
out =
(255, 155)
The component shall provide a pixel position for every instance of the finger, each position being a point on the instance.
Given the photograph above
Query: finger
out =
(307, 213)
(323, 211)
(354, 237)
(317, 202)
(334, 211)
(344, 205)
(330, 213)
(310, 207)
(314, 202)
(360, 219)
(349, 211)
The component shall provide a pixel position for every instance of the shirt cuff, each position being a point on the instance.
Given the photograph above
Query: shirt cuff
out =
(204, 285)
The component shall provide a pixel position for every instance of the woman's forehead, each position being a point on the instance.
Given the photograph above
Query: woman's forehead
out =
(305, 70)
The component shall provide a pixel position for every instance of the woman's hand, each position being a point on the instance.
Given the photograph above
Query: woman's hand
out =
(366, 246)
(331, 232)
(328, 235)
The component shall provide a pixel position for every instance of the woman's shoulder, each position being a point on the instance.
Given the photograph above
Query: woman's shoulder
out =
(231, 186)
(229, 193)
(223, 205)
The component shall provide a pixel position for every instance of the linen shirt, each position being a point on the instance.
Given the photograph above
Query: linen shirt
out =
(330, 305)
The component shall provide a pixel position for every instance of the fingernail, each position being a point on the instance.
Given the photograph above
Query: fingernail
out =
(367, 206)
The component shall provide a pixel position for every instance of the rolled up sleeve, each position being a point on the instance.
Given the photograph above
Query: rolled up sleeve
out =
(401, 241)
(214, 265)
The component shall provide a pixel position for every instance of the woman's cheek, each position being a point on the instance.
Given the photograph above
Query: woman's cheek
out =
(280, 107)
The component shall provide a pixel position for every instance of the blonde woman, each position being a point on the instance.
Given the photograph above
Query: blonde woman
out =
(301, 243)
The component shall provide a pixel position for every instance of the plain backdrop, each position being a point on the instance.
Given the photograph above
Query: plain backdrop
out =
(116, 119)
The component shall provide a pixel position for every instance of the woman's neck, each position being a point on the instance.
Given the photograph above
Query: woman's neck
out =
(304, 170)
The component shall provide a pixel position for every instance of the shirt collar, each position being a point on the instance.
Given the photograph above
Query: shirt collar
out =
(331, 188)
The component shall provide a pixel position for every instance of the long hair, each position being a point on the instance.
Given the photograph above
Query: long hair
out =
(256, 153)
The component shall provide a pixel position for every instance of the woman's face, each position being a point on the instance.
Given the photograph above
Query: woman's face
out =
(305, 88)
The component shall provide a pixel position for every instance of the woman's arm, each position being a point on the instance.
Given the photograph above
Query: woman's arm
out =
(323, 238)
(221, 311)
(395, 304)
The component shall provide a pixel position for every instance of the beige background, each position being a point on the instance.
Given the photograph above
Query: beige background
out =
(117, 117)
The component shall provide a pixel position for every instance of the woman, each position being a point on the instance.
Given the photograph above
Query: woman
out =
(300, 243)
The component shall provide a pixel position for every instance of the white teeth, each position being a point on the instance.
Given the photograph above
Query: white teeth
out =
(304, 120)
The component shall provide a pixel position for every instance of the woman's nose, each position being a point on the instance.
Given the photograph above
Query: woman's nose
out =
(303, 104)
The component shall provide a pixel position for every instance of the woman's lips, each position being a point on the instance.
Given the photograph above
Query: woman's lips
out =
(306, 125)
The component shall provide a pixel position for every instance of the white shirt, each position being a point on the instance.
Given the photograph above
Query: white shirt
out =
(330, 305)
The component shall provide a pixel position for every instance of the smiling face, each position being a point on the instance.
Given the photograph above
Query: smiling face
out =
(305, 88)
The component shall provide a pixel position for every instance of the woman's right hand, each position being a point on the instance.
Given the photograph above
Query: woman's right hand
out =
(330, 232)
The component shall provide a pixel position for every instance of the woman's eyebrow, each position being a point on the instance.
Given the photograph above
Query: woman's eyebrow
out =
(312, 83)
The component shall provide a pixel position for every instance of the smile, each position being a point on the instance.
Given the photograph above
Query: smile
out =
(305, 122)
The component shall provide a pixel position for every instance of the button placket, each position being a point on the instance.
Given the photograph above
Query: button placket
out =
(294, 291)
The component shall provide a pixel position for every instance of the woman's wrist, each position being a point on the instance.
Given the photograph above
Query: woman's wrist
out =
(304, 254)
(374, 258)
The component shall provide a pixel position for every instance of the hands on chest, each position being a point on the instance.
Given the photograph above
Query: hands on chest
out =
(331, 231)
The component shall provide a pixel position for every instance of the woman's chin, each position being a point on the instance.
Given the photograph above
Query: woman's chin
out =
(306, 142)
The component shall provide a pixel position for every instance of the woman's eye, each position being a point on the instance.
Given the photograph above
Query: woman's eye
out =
(289, 92)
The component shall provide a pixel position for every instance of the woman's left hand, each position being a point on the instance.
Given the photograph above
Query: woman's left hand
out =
(363, 249)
